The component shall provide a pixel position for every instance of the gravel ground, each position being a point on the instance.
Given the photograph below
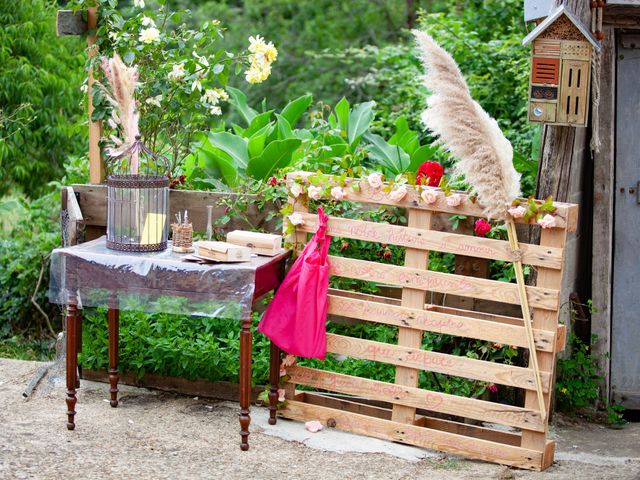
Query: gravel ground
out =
(157, 435)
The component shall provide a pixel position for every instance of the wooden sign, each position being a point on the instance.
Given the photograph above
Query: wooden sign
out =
(402, 411)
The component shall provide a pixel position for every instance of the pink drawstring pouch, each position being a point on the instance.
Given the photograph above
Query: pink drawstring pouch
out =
(296, 318)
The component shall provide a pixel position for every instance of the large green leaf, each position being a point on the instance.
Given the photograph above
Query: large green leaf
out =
(359, 120)
(255, 144)
(421, 155)
(342, 115)
(295, 108)
(216, 163)
(239, 100)
(284, 128)
(257, 123)
(276, 155)
(232, 145)
(404, 137)
(392, 158)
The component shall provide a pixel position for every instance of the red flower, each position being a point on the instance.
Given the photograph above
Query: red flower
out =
(493, 388)
(386, 253)
(429, 173)
(344, 246)
(482, 227)
(273, 181)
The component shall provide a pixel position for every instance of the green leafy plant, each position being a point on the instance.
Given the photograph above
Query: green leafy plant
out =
(615, 415)
(577, 385)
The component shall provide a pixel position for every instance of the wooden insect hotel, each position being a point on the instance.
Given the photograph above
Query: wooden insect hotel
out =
(562, 49)
(402, 411)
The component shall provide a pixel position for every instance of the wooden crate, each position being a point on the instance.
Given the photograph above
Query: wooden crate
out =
(401, 411)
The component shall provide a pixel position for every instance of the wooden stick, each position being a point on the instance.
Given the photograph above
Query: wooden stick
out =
(524, 302)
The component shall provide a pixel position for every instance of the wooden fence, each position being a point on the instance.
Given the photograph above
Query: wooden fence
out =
(401, 411)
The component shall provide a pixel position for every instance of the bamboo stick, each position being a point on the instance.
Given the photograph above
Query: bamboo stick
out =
(524, 302)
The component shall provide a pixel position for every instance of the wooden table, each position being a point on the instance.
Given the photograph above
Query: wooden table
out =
(75, 274)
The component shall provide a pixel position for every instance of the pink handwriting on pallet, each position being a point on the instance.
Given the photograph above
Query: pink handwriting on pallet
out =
(367, 310)
(422, 280)
(426, 359)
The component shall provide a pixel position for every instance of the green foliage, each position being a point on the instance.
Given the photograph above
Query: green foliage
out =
(615, 415)
(40, 97)
(578, 377)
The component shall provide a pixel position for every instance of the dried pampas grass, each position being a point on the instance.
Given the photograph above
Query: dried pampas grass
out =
(123, 81)
(485, 156)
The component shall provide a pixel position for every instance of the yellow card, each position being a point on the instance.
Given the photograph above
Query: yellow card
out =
(153, 228)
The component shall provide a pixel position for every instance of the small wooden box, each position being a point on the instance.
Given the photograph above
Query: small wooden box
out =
(223, 251)
(260, 243)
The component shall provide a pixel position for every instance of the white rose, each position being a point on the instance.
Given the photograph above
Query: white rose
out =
(296, 190)
(149, 35)
(517, 212)
(548, 221)
(398, 194)
(215, 111)
(296, 218)
(177, 72)
(148, 21)
(430, 196)
(154, 100)
(454, 200)
(375, 180)
(314, 192)
(338, 193)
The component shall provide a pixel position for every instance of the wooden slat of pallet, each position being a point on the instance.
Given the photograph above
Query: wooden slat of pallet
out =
(413, 435)
(437, 362)
(566, 213)
(411, 298)
(417, 398)
(433, 240)
(448, 283)
(547, 320)
(432, 321)
(357, 405)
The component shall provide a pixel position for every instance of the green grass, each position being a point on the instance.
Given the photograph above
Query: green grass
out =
(22, 348)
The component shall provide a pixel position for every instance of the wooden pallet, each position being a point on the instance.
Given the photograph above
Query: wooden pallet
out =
(401, 411)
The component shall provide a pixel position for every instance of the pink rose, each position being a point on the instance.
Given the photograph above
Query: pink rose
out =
(517, 212)
(430, 196)
(314, 192)
(313, 426)
(493, 388)
(375, 180)
(281, 397)
(289, 361)
(454, 200)
(296, 218)
(338, 193)
(283, 371)
(548, 221)
(398, 194)
(296, 190)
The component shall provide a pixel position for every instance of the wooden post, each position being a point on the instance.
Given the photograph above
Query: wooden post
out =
(412, 298)
(96, 165)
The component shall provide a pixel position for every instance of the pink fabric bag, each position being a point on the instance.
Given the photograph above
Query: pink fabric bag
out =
(296, 319)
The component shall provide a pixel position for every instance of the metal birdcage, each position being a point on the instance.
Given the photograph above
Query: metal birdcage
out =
(138, 205)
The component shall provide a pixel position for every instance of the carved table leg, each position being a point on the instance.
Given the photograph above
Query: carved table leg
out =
(113, 315)
(79, 318)
(72, 361)
(274, 381)
(245, 382)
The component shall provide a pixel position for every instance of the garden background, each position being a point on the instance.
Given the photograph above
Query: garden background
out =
(345, 95)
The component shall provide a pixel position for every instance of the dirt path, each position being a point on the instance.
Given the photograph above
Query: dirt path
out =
(156, 435)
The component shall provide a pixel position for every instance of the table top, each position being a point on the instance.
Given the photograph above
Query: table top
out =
(93, 276)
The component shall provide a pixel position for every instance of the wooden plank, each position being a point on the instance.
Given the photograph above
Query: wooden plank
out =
(411, 298)
(546, 320)
(69, 22)
(441, 282)
(432, 321)
(413, 435)
(357, 405)
(96, 165)
(418, 398)
(433, 240)
(93, 203)
(602, 220)
(72, 228)
(437, 362)
(566, 213)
